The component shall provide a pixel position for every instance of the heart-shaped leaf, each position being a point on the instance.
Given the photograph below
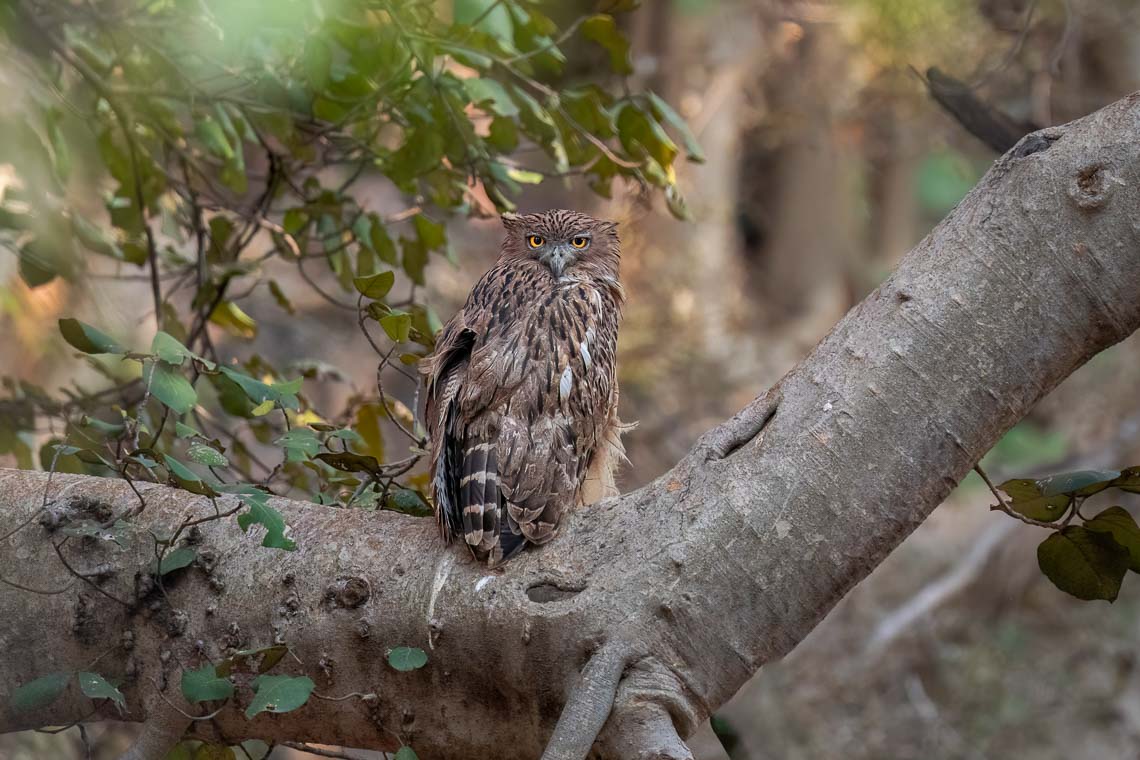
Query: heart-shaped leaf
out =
(1084, 563)
(1119, 523)
(88, 339)
(407, 658)
(279, 694)
(1026, 499)
(40, 692)
(170, 386)
(205, 685)
(375, 286)
(177, 559)
(96, 686)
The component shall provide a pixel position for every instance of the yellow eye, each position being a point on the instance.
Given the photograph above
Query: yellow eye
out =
(535, 241)
(580, 242)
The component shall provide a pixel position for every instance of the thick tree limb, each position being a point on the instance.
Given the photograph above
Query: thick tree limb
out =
(714, 569)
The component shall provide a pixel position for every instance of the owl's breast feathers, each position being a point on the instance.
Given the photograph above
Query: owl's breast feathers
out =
(522, 406)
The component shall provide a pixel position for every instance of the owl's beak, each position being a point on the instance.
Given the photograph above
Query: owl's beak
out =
(560, 257)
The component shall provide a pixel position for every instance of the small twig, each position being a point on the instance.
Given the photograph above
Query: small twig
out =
(13, 584)
(83, 578)
(180, 711)
(353, 695)
(1003, 505)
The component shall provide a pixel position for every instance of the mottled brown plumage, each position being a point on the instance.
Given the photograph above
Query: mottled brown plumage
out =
(521, 392)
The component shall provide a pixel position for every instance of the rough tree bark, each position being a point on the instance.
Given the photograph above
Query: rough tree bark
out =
(652, 608)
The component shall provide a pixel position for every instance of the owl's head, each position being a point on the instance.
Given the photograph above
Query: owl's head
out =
(563, 241)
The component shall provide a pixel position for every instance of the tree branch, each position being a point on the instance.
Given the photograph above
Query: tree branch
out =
(589, 703)
(717, 567)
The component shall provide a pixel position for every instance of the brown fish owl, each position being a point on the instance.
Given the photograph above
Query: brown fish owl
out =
(521, 392)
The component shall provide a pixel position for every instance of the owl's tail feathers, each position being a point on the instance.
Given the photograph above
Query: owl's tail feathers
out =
(479, 495)
(511, 541)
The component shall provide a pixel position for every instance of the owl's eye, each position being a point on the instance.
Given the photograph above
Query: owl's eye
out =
(580, 242)
(535, 241)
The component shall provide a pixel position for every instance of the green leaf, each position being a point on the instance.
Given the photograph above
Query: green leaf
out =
(503, 135)
(603, 30)
(397, 325)
(91, 529)
(1120, 524)
(213, 137)
(207, 751)
(381, 243)
(493, 18)
(1078, 482)
(185, 431)
(415, 258)
(1026, 499)
(348, 462)
(431, 234)
(265, 658)
(230, 317)
(207, 455)
(300, 444)
(284, 392)
(97, 687)
(347, 434)
(642, 135)
(409, 502)
(262, 409)
(186, 478)
(182, 751)
(406, 753)
(484, 90)
(1129, 480)
(368, 418)
(407, 658)
(169, 350)
(276, 531)
(279, 694)
(524, 176)
(87, 339)
(40, 692)
(375, 286)
(176, 559)
(280, 297)
(1083, 563)
(169, 386)
(673, 119)
(205, 685)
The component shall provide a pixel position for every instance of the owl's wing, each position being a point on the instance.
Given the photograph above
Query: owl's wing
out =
(445, 370)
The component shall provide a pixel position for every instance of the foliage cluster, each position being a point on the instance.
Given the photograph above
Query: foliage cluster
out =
(211, 149)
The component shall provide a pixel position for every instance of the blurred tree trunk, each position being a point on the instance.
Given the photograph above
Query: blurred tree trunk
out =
(797, 187)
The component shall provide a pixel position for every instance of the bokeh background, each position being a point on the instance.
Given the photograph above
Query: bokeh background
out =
(827, 159)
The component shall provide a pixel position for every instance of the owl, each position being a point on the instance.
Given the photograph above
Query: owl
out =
(521, 389)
